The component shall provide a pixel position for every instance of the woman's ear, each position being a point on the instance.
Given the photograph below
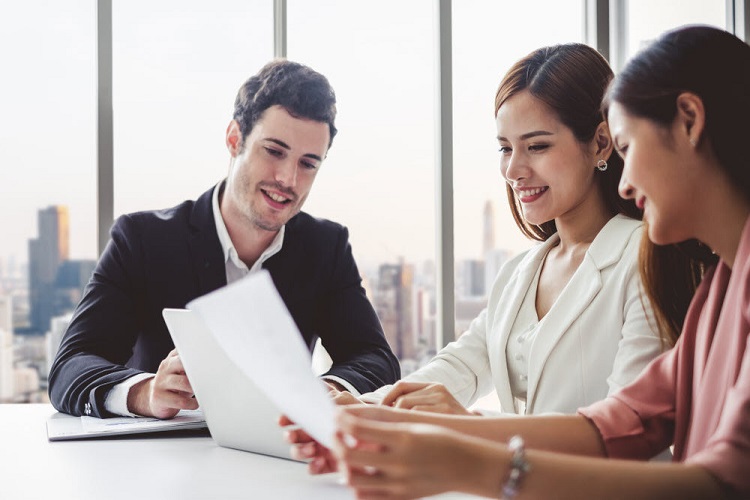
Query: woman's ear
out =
(690, 120)
(602, 142)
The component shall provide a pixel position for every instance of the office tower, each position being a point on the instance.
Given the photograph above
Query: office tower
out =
(6, 349)
(393, 303)
(46, 252)
(471, 278)
(424, 326)
(72, 277)
(488, 232)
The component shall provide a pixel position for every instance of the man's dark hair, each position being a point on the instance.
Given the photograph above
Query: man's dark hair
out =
(303, 92)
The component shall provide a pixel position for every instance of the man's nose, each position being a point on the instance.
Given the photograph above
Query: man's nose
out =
(286, 173)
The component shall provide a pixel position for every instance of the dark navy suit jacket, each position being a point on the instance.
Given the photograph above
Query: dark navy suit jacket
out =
(166, 258)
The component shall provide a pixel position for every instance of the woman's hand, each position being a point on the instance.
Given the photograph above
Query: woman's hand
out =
(384, 458)
(304, 447)
(423, 396)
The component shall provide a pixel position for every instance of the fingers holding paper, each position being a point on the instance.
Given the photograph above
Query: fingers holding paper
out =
(304, 447)
(165, 394)
(382, 458)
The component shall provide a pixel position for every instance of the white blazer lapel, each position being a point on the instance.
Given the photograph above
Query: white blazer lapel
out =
(505, 315)
(583, 287)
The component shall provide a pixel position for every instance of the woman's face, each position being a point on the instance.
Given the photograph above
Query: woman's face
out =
(552, 174)
(656, 175)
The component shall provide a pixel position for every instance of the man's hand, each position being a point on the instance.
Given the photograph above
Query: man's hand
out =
(424, 397)
(165, 394)
(339, 395)
(334, 386)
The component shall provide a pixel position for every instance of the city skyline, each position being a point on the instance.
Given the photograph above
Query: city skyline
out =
(35, 311)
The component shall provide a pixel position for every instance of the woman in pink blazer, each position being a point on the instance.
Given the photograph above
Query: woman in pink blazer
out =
(678, 114)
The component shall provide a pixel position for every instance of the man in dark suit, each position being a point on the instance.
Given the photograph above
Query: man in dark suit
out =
(117, 357)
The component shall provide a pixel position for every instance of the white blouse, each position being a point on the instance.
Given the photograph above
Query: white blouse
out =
(520, 340)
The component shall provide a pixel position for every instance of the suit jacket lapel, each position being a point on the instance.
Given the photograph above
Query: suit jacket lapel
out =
(510, 301)
(205, 249)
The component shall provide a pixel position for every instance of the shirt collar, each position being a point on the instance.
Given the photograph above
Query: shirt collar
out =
(227, 247)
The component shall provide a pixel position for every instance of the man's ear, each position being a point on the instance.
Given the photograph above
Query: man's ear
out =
(234, 138)
(691, 117)
(602, 144)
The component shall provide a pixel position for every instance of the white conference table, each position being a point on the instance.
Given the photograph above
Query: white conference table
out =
(182, 465)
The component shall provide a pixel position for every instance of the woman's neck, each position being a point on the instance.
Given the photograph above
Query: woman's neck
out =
(578, 228)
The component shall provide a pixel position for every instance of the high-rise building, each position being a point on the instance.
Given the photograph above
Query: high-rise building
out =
(6, 349)
(393, 303)
(46, 253)
(72, 277)
(471, 278)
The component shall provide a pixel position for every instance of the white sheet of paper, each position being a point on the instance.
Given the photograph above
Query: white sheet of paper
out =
(120, 424)
(249, 320)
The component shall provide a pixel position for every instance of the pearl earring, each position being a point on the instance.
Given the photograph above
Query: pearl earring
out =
(601, 165)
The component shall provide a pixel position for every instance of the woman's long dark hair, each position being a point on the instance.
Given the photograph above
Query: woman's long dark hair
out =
(715, 66)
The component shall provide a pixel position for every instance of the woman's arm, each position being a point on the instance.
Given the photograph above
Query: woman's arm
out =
(406, 460)
(566, 433)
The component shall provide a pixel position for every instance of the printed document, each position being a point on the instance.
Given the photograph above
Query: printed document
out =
(249, 320)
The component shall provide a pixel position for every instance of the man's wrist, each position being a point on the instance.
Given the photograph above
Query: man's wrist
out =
(335, 385)
(138, 398)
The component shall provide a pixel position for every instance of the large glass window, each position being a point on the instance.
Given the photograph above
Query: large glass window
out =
(488, 37)
(177, 68)
(378, 179)
(47, 179)
(644, 20)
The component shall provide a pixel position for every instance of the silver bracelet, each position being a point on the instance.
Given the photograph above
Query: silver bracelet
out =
(517, 468)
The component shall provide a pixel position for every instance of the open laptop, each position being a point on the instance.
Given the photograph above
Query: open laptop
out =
(238, 414)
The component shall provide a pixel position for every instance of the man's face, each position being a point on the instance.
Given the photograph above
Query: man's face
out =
(272, 172)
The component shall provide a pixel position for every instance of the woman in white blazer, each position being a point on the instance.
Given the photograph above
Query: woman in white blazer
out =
(594, 340)
(565, 324)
